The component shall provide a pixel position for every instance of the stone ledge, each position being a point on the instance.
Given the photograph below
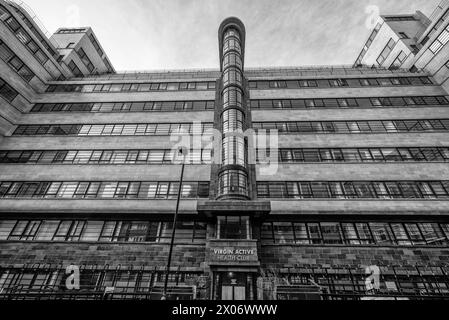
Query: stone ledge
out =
(250, 207)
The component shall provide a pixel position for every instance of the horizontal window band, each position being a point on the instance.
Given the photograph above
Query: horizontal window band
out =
(255, 104)
(347, 190)
(102, 190)
(155, 106)
(362, 155)
(132, 87)
(135, 129)
(357, 126)
(104, 157)
(364, 233)
(340, 82)
(298, 232)
(348, 103)
(139, 231)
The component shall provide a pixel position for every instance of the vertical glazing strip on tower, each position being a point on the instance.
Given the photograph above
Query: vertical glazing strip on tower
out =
(233, 175)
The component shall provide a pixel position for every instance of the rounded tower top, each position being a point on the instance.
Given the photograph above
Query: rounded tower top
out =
(237, 24)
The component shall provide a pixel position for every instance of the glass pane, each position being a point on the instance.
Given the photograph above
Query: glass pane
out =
(47, 230)
(233, 227)
(92, 231)
(331, 233)
(283, 232)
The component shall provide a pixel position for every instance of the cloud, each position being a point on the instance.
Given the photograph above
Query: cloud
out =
(182, 34)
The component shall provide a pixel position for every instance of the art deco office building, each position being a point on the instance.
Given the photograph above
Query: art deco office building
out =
(350, 200)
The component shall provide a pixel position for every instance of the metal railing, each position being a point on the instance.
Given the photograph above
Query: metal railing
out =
(397, 282)
(22, 5)
(48, 282)
(312, 71)
(254, 73)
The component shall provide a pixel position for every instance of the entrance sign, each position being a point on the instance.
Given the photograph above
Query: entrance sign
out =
(236, 253)
(232, 254)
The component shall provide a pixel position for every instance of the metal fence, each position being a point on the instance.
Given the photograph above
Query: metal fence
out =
(304, 282)
(350, 283)
(50, 282)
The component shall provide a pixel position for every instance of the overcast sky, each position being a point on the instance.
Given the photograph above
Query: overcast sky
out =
(182, 34)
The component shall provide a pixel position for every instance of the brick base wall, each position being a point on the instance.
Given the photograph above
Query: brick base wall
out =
(188, 257)
(281, 256)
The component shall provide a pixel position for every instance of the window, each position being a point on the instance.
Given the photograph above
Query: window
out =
(24, 230)
(232, 96)
(72, 30)
(331, 233)
(69, 231)
(7, 92)
(232, 59)
(386, 51)
(108, 65)
(233, 228)
(231, 43)
(231, 76)
(397, 63)
(233, 151)
(368, 44)
(96, 45)
(15, 62)
(382, 233)
(6, 227)
(338, 83)
(233, 182)
(75, 70)
(400, 18)
(283, 232)
(67, 190)
(440, 41)
(414, 48)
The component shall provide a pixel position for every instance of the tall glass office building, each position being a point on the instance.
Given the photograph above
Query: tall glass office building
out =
(352, 204)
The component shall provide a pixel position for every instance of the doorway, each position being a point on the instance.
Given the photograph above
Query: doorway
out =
(233, 293)
(234, 286)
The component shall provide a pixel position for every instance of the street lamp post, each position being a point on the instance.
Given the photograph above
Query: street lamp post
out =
(175, 220)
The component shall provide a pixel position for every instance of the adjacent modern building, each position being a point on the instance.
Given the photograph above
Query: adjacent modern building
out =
(346, 197)
(412, 42)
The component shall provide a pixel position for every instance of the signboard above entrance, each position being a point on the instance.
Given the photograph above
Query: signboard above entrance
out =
(229, 252)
